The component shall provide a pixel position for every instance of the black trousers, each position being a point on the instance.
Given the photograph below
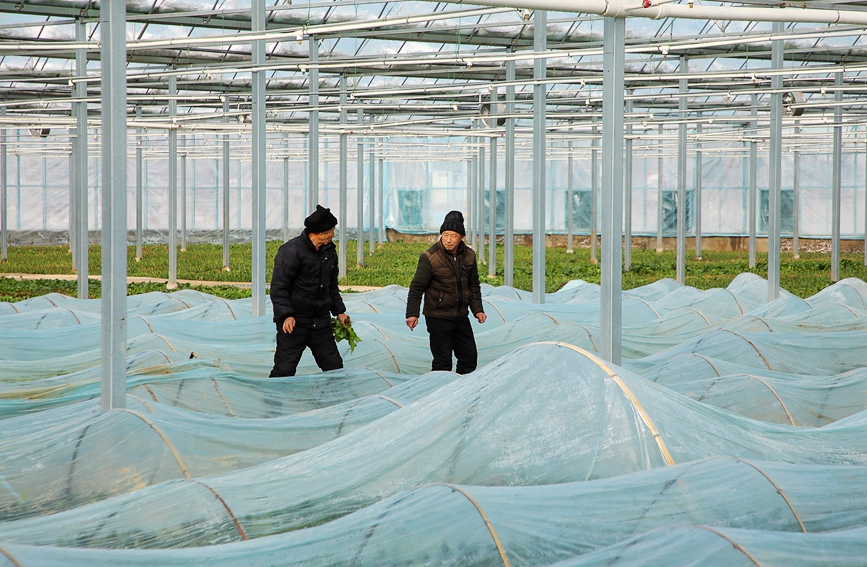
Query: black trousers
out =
(290, 347)
(447, 337)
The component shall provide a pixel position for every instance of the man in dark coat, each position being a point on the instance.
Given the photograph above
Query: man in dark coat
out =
(448, 277)
(304, 293)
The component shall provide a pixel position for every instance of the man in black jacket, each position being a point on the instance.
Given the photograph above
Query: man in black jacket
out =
(448, 277)
(304, 293)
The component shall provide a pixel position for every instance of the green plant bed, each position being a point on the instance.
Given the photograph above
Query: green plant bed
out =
(395, 263)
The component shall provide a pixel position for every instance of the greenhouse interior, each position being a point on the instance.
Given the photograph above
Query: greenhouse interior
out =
(662, 425)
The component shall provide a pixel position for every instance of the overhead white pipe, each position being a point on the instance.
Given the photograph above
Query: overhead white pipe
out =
(622, 9)
(799, 15)
(298, 34)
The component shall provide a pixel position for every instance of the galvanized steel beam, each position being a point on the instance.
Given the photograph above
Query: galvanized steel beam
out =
(259, 159)
(610, 325)
(540, 44)
(114, 253)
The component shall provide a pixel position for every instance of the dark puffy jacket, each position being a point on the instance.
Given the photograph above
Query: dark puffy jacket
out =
(449, 283)
(304, 284)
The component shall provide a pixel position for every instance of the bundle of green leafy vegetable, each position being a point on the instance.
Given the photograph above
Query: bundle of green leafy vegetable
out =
(345, 333)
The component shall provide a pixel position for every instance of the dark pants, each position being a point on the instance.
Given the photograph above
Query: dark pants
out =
(448, 336)
(290, 347)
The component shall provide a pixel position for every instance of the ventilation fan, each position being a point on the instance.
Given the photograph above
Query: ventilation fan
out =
(794, 98)
(500, 110)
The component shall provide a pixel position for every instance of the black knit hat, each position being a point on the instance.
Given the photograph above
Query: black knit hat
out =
(320, 220)
(454, 221)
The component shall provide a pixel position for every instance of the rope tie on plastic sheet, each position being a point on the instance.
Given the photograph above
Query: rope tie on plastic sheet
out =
(706, 359)
(226, 506)
(655, 312)
(500, 313)
(738, 303)
(765, 323)
(556, 322)
(151, 392)
(163, 437)
(779, 491)
(141, 401)
(768, 364)
(487, 521)
(369, 305)
(386, 398)
(735, 544)
(855, 313)
(187, 305)
(77, 320)
(782, 405)
(8, 556)
(48, 299)
(390, 385)
(391, 353)
(857, 292)
(589, 336)
(12, 305)
(375, 326)
(165, 340)
(663, 449)
(151, 329)
(225, 401)
(229, 307)
(700, 313)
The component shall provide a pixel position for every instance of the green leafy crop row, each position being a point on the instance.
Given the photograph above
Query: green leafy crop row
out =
(394, 263)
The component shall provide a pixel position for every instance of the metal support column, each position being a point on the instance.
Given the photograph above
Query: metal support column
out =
(359, 232)
(285, 209)
(540, 45)
(680, 254)
(751, 195)
(183, 190)
(72, 177)
(139, 194)
(313, 148)
(613, 64)
(71, 188)
(371, 199)
(480, 200)
(259, 159)
(344, 181)
(570, 184)
(835, 178)
(4, 203)
(775, 171)
(80, 57)
(114, 253)
(697, 192)
(173, 185)
(492, 194)
(381, 200)
(594, 190)
(796, 169)
(82, 241)
(226, 187)
(627, 191)
(472, 193)
(659, 193)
